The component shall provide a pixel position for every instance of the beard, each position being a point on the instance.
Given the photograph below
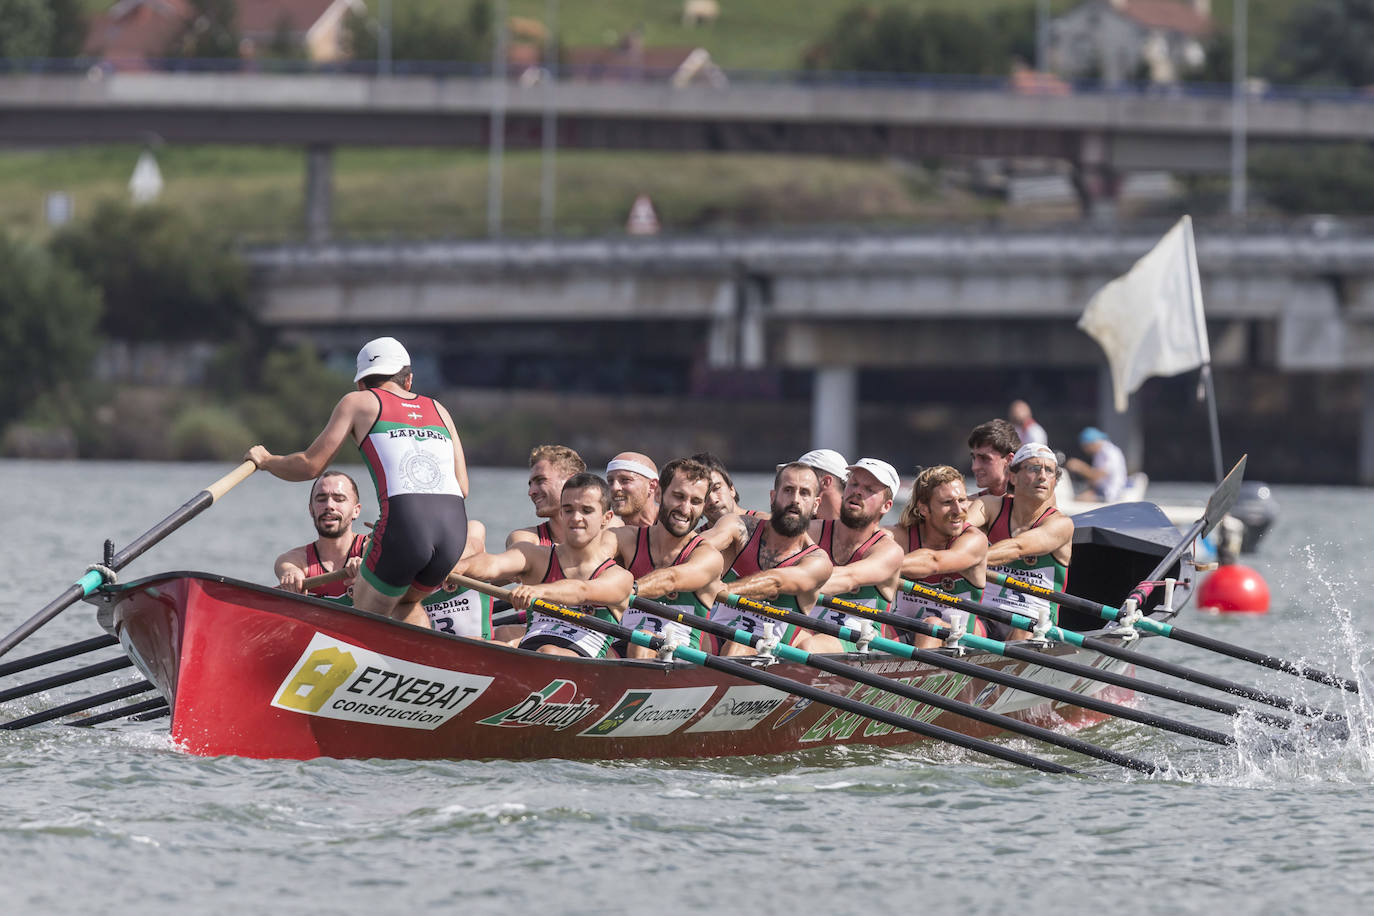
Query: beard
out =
(789, 524)
(331, 528)
(853, 518)
(675, 526)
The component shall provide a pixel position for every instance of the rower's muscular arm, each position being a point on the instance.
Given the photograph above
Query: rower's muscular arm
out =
(969, 549)
(701, 569)
(290, 570)
(517, 562)
(309, 464)
(982, 512)
(610, 589)
(878, 567)
(460, 462)
(802, 578)
(727, 535)
(1053, 534)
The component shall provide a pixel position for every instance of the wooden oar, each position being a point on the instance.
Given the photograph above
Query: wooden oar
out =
(941, 631)
(95, 578)
(746, 672)
(131, 711)
(863, 676)
(1111, 650)
(1218, 504)
(1015, 682)
(58, 654)
(337, 575)
(1147, 625)
(57, 712)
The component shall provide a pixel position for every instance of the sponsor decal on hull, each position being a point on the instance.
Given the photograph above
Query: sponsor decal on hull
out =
(650, 712)
(740, 709)
(553, 706)
(338, 680)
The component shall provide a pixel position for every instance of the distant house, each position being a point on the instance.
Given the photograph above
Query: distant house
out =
(133, 33)
(631, 59)
(1114, 40)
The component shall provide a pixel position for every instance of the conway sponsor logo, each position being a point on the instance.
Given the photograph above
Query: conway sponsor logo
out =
(841, 725)
(650, 712)
(553, 706)
(338, 680)
(741, 708)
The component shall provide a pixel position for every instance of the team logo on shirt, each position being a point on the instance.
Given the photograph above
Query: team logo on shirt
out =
(420, 472)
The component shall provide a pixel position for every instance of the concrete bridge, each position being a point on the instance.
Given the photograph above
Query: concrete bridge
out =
(1104, 135)
(832, 305)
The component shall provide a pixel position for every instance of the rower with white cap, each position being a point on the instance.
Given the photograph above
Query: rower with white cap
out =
(832, 471)
(866, 560)
(412, 450)
(633, 478)
(1028, 538)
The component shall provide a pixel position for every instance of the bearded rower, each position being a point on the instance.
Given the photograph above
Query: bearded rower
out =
(633, 479)
(831, 470)
(334, 507)
(773, 559)
(866, 560)
(550, 468)
(943, 550)
(670, 562)
(579, 572)
(1029, 538)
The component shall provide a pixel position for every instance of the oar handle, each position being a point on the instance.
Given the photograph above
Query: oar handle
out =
(337, 575)
(235, 477)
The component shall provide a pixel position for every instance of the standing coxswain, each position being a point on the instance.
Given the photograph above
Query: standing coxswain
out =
(671, 563)
(1029, 538)
(413, 452)
(943, 550)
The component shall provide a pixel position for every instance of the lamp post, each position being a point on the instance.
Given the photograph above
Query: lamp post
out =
(1238, 111)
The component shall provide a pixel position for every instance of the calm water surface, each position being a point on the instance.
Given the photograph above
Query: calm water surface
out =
(117, 820)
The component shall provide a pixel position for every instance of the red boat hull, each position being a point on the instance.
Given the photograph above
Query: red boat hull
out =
(257, 672)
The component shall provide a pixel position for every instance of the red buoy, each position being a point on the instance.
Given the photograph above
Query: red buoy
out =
(1234, 589)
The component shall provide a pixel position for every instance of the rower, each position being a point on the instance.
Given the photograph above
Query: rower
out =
(412, 449)
(722, 498)
(942, 550)
(550, 468)
(1029, 538)
(671, 563)
(830, 468)
(991, 446)
(1106, 476)
(773, 559)
(633, 479)
(466, 611)
(334, 507)
(866, 560)
(579, 572)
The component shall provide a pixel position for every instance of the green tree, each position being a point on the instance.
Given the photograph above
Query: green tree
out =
(212, 31)
(295, 393)
(26, 29)
(163, 276)
(898, 39)
(423, 32)
(1324, 179)
(68, 28)
(1328, 42)
(48, 319)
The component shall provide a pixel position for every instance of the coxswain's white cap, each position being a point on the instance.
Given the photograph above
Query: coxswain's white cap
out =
(886, 473)
(1033, 450)
(826, 460)
(383, 356)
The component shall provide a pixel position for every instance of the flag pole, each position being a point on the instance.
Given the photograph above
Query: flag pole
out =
(1200, 329)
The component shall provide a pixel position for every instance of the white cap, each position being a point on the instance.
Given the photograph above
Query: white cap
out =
(1033, 450)
(886, 473)
(383, 356)
(826, 460)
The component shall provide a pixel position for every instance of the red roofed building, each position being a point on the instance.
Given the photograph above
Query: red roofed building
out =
(132, 32)
(1115, 40)
(631, 59)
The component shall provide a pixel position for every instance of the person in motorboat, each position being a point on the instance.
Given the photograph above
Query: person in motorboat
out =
(830, 468)
(1026, 428)
(1029, 538)
(991, 446)
(334, 507)
(865, 560)
(1106, 475)
(943, 550)
(671, 563)
(773, 559)
(550, 468)
(633, 479)
(579, 572)
(413, 452)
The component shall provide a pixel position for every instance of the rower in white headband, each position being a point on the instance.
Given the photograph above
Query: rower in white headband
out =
(633, 479)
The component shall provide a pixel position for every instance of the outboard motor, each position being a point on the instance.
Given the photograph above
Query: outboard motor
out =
(1257, 509)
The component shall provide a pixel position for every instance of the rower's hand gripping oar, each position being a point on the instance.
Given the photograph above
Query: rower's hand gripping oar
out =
(97, 576)
(900, 688)
(746, 672)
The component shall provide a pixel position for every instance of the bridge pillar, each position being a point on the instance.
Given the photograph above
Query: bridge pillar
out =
(1096, 180)
(319, 191)
(835, 409)
(1366, 459)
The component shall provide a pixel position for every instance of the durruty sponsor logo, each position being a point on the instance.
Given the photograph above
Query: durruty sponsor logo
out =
(650, 712)
(741, 708)
(338, 680)
(553, 706)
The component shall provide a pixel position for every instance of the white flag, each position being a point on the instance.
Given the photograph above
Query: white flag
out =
(1149, 321)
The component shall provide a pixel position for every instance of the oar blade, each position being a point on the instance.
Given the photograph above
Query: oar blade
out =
(1224, 497)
